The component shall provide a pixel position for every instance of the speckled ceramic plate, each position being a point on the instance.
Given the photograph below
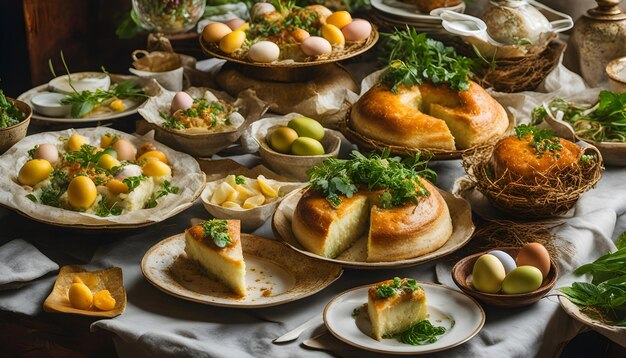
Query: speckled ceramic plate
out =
(460, 314)
(274, 274)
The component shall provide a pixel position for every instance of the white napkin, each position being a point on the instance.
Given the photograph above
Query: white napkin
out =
(21, 262)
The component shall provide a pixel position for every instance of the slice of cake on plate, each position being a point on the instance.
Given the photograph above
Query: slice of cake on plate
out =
(216, 246)
(395, 306)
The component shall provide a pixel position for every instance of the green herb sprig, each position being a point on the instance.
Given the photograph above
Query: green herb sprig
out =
(10, 115)
(105, 210)
(399, 285)
(133, 182)
(543, 140)
(415, 58)
(398, 178)
(422, 333)
(166, 189)
(217, 230)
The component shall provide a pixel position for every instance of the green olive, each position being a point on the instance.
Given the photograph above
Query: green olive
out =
(281, 139)
(307, 127)
(307, 146)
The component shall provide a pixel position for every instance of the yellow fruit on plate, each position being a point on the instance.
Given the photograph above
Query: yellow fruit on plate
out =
(81, 193)
(233, 41)
(117, 187)
(307, 127)
(231, 205)
(117, 105)
(233, 196)
(221, 193)
(156, 154)
(307, 146)
(333, 34)
(107, 162)
(254, 201)
(300, 34)
(75, 142)
(339, 19)
(80, 296)
(281, 139)
(34, 171)
(106, 140)
(103, 300)
(156, 168)
(231, 180)
(215, 32)
(266, 188)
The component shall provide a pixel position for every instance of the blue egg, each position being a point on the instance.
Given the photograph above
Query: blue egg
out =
(507, 261)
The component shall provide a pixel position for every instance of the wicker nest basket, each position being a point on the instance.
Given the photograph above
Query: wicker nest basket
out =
(549, 196)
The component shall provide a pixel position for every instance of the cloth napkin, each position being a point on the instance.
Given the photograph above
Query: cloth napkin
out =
(21, 262)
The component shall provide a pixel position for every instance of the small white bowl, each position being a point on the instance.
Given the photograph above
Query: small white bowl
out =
(81, 81)
(49, 104)
(616, 70)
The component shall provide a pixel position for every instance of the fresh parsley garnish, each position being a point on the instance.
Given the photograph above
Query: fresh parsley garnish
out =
(396, 287)
(543, 140)
(85, 156)
(133, 182)
(415, 58)
(217, 230)
(397, 178)
(240, 180)
(422, 333)
(10, 114)
(31, 151)
(166, 188)
(104, 210)
(171, 122)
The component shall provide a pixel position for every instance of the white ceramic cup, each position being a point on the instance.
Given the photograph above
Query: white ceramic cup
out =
(170, 80)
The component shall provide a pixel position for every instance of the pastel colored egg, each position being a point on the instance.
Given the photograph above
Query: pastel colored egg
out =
(260, 9)
(523, 279)
(307, 127)
(235, 23)
(107, 162)
(233, 41)
(156, 168)
(281, 139)
(125, 150)
(130, 170)
(306, 146)
(357, 30)
(47, 152)
(339, 19)
(300, 35)
(153, 154)
(534, 254)
(316, 46)
(216, 31)
(333, 34)
(34, 171)
(322, 11)
(488, 274)
(264, 51)
(181, 100)
(75, 142)
(81, 193)
(507, 260)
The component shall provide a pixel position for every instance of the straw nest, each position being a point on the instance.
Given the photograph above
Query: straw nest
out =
(517, 74)
(548, 196)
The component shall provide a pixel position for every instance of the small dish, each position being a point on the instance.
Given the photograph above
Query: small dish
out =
(616, 70)
(460, 314)
(356, 255)
(81, 81)
(250, 218)
(110, 279)
(49, 104)
(292, 166)
(614, 333)
(462, 271)
(274, 274)
(15, 133)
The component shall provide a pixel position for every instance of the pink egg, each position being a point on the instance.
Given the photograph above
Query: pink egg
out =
(48, 152)
(235, 23)
(124, 149)
(181, 100)
(260, 9)
(357, 30)
(315, 46)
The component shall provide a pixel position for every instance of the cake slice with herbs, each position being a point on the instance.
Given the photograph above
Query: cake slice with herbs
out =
(394, 306)
(216, 246)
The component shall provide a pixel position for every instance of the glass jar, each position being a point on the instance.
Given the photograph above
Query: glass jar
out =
(168, 16)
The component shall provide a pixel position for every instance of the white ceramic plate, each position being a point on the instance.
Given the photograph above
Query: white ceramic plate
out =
(274, 274)
(460, 314)
(131, 106)
(409, 12)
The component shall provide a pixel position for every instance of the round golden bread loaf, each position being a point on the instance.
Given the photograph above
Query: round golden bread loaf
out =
(517, 159)
(429, 116)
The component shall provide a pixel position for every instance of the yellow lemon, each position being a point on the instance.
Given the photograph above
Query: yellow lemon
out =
(254, 201)
(266, 188)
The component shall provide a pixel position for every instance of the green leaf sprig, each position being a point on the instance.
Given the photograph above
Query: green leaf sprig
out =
(217, 230)
(133, 182)
(398, 178)
(422, 333)
(604, 122)
(105, 210)
(415, 58)
(166, 189)
(398, 286)
(543, 140)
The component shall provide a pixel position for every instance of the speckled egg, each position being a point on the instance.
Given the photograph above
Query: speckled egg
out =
(75, 142)
(81, 193)
(47, 152)
(233, 41)
(316, 46)
(34, 171)
(264, 51)
(357, 30)
(216, 31)
(156, 168)
(181, 100)
(235, 23)
(125, 150)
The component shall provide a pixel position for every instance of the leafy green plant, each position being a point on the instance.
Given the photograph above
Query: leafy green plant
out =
(10, 115)
(422, 333)
(217, 230)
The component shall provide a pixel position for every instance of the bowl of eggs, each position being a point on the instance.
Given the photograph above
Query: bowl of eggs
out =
(293, 144)
(289, 36)
(250, 200)
(507, 277)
